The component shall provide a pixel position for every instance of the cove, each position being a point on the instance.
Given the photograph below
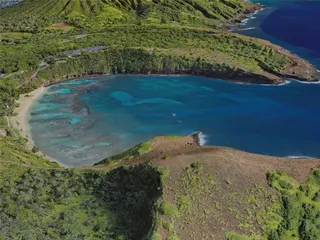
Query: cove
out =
(82, 121)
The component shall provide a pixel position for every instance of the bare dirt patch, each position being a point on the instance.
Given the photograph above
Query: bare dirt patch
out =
(228, 192)
(59, 26)
(211, 191)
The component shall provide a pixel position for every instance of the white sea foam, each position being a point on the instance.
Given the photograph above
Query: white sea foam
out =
(267, 85)
(244, 21)
(249, 17)
(246, 29)
(286, 82)
(309, 82)
(305, 82)
(258, 11)
(202, 139)
(299, 157)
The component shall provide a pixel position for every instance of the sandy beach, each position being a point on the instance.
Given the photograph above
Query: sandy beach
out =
(21, 121)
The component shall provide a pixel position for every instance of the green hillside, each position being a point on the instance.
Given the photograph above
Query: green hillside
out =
(13, 148)
(94, 13)
(162, 190)
(168, 188)
(39, 203)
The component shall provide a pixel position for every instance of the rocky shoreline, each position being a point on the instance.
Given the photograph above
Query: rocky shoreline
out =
(235, 23)
(299, 68)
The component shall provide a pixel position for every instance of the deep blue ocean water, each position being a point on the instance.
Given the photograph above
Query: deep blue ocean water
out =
(294, 25)
(83, 121)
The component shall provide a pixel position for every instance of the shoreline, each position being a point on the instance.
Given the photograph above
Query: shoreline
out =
(20, 122)
(284, 80)
(298, 69)
(238, 22)
(239, 81)
(22, 126)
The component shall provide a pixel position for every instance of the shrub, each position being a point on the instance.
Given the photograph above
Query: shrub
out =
(156, 236)
(183, 202)
(228, 181)
(173, 238)
(35, 149)
(285, 184)
(145, 148)
(196, 165)
(235, 236)
(168, 209)
(168, 226)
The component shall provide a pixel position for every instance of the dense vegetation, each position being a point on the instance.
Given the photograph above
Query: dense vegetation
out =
(8, 95)
(300, 207)
(39, 203)
(297, 215)
(128, 155)
(13, 148)
(53, 40)
(28, 61)
(34, 14)
(22, 54)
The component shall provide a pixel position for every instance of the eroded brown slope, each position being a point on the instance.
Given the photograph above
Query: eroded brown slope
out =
(229, 192)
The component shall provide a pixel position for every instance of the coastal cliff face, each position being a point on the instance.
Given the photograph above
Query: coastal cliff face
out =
(298, 68)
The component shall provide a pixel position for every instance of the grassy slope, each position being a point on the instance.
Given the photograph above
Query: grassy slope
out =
(13, 149)
(209, 45)
(99, 12)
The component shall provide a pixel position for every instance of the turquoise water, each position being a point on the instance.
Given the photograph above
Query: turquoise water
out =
(82, 121)
(98, 117)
